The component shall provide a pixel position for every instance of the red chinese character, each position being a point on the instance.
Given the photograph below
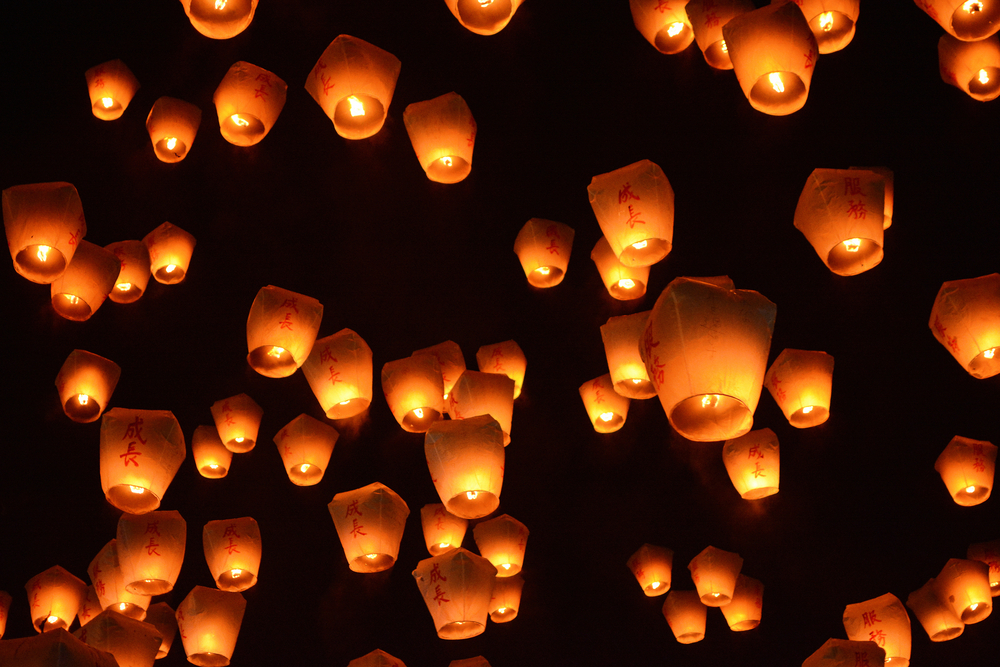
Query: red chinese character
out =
(852, 185)
(663, 6)
(877, 636)
(153, 527)
(626, 193)
(439, 595)
(870, 618)
(134, 430)
(230, 421)
(755, 452)
(334, 373)
(328, 84)
(472, 133)
(327, 355)
(552, 248)
(357, 529)
(633, 218)
(758, 471)
(286, 323)
(266, 78)
(151, 547)
(858, 210)
(436, 574)
(352, 508)
(978, 465)
(260, 92)
(711, 19)
(809, 59)
(232, 547)
(291, 303)
(129, 456)
(940, 328)
(778, 391)
(861, 660)
(639, 573)
(99, 83)
(552, 232)
(439, 524)
(230, 531)
(99, 586)
(73, 237)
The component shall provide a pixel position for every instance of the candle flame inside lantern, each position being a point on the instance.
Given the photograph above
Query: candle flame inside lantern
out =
(502, 610)
(775, 79)
(485, 3)
(446, 161)
(276, 352)
(123, 287)
(123, 606)
(52, 619)
(984, 76)
(349, 400)
(220, 4)
(304, 467)
(674, 29)
(990, 352)
(213, 466)
(239, 439)
(471, 495)
(826, 21)
(654, 585)
(137, 489)
(444, 545)
(626, 283)
(636, 380)
(505, 566)
(852, 245)
(973, 6)
(972, 607)
(607, 416)
(418, 413)
(107, 102)
(235, 573)
(43, 252)
(72, 298)
(722, 45)
(171, 143)
(806, 410)
(170, 268)
(709, 400)
(83, 399)
(544, 270)
(640, 245)
(371, 556)
(242, 122)
(970, 489)
(357, 108)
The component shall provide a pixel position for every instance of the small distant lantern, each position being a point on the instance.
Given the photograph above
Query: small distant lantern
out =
(85, 384)
(306, 445)
(111, 86)
(443, 531)
(846, 653)
(151, 550)
(483, 17)
(232, 550)
(664, 25)
(44, 224)
(968, 20)
(170, 249)
(651, 565)
(936, 616)
(685, 615)
(606, 408)
(801, 382)
(369, 522)
(832, 21)
(110, 585)
(86, 282)
(753, 462)
(622, 336)
(172, 125)
(248, 102)
(543, 248)
(889, 178)
(774, 54)
(504, 358)
(972, 67)
(622, 282)
(707, 18)
(714, 573)
(989, 553)
(54, 596)
(744, 611)
(209, 622)
(892, 631)
(449, 357)
(237, 420)
(708, 379)
(353, 81)
(506, 598)
(966, 320)
(376, 658)
(478, 393)
(502, 541)
(161, 617)
(5, 600)
(211, 457)
(965, 585)
(220, 19)
(339, 372)
(141, 451)
(414, 390)
(281, 330)
(466, 459)
(966, 467)
(457, 587)
(443, 134)
(132, 642)
(134, 274)
(90, 607)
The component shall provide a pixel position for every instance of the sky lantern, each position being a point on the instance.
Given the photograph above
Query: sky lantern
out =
(989, 553)
(161, 617)
(44, 224)
(622, 282)
(665, 25)
(414, 390)
(714, 573)
(248, 101)
(449, 357)
(801, 381)
(306, 445)
(543, 247)
(376, 658)
(936, 616)
(483, 17)
(86, 282)
(232, 550)
(744, 611)
(237, 420)
(832, 21)
(882, 620)
(353, 81)
(478, 393)
(707, 18)
(708, 379)
(965, 319)
(466, 461)
(502, 541)
(370, 523)
(339, 372)
(622, 336)
(170, 249)
(846, 653)
(111, 86)
(220, 19)
(443, 134)
(172, 125)
(965, 585)
(54, 596)
(457, 587)
(443, 531)
(89, 608)
(966, 467)
(506, 598)
(209, 622)
(968, 20)
(134, 274)
(753, 463)
(685, 615)
(211, 457)
(59, 645)
(774, 54)
(505, 358)
(5, 600)
(281, 330)
(141, 451)
(606, 408)
(651, 565)
(972, 67)
(85, 384)
(132, 642)
(151, 550)
(110, 585)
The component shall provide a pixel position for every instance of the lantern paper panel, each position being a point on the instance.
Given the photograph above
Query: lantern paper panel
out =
(744, 611)
(86, 282)
(44, 224)
(232, 551)
(151, 550)
(483, 17)
(846, 653)
(111, 86)
(651, 565)
(543, 247)
(369, 522)
(965, 585)
(753, 462)
(306, 445)
(989, 553)
(622, 282)
(209, 623)
(339, 372)
(664, 25)
(5, 600)
(170, 249)
(505, 358)
(466, 461)
(451, 360)
(622, 336)
(248, 102)
(132, 642)
(714, 573)
(965, 20)
(478, 661)
(172, 125)
(211, 457)
(161, 617)
(477, 393)
(134, 274)
(972, 67)
(936, 616)
(833, 22)
(457, 587)
(376, 658)
(889, 178)
(90, 607)
(707, 18)
(54, 596)
(965, 319)
(801, 381)
(141, 451)
(220, 20)
(237, 420)
(967, 467)
(443, 531)
(685, 615)
(85, 383)
(606, 408)
(281, 330)
(414, 389)
(443, 134)
(502, 541)
(110, 585)
(506, 598)
(882, 620)
(58, 645)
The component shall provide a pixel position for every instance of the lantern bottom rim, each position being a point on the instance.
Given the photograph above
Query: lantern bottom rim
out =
(759, 492)
(354, 406)
(312, 476)
(114, 112)
(817, 415)
(362, 126)
(640, 390)
(552, 276)
(845, 262)
(970, 27)
(982, 367)
(42, 624)
(240, 447)
(484, 20)
(168, 155)
(610, 426)
(668, 44)
(172, 277)
(720, 600)
(711, 417)
(218, 472)
(509, 615)
(966, 499)
(744, 625)
(947, 634)
(440, 172)
(716, 57)
(840, 34)
(414, 424)
(26, 263)
(227, 582)
(263, 360)
(652, 251)
(208, 659)
(764, 98)
(980, 613)
(82, 414)
(131, 295)
(366, 565)
(72, 306)
(689, 637)
(465, 508)
(124, 498)
(618, 291)
(461, 629)
(150, 587)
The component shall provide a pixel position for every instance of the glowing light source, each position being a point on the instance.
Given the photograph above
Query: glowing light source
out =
(418, 413)
(775, 79)
(471, 495)
(626, 283)
(654, 585)
(534, 248)
(446, 161)
(369, 523)
(304, 467)
(171, 143)
(241, 122)
(232, 551)
(722, 45)
(276, 352)
(852, 245)
(988, 354)
(965, 319)
(444, 546)
(970, 489)
(123, 287)
(984, 76)
(136, 489)
(52, 619)
(806, 410)
(83, 399)
(43, 253)
(606, 408)
(235, 573)
(544, 270)
(220, 4)
(107, 102)
(967, 467)
(357, 108)
(640, 245)
(675, 28)
(972, 6)
(826, 21)
(607, 416)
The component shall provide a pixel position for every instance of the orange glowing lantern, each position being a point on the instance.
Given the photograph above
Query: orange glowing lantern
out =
(232, 550)
(141, 451)
(151, 550)
(54, 596)
(86, 282)
(966, 467)
(502, 541)
(651, 565)
(935, 615)
(707, 18)
(543, 248)
(966, 320)
(53, 649)
(5, 600)
(846, 653)
(172, 125)
(622, 336)
(44, 224)
(466, 459)
(443, 134)
(506, 598)
(90, 607)
(968, 20)
(606, 408)
(483, 17)
(134, 273)
(622, 282)
(376, 658)
(714, 573)
(972, 67)
(893, 633)
(414, 390)
(132, 642)
(111, 86)
(685, 615)
(457, 587)
(370, 523)
(209, 622)
(237, 420)
(801, 381)
(753, 463)
(965, 585)
(281, 330)
(477, 393)
(211, 457)
(443, 531)
(339, 372)
(989, 553)
(664, 25)
(744, 611)
(170, 249)
(85, 384)
(505, 358)
(109, 584)
(449, 357)
(248, 101)
(832, 21)
(306, 445)
(220, 19)
(161, 617)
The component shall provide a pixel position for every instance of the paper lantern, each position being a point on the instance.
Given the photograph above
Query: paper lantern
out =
(685, 615)
(714, 573)
(846, 653)
(443, 134)
(5, 600)
(966, 467)
(502, 541)
(237, 420)
(506, 598)
(209, 622)
(457, 587)
(972, 67)
(774, 54)
(57, 648)
(414, 390)
(339, 372)
(86, 282)
(90, 607)
(305, 445)
(211, 457)
(220, 19)
(44, 224)
(170, 249)
(369, 522)
(935, 615)
(889, 178)
(634, 206)
(504, 358)
(110, 585)
(449, 357)
(882, 620)
(111, 86)
(353, 82)
(248, 102)
(832, 21)
(840, 212)
(801, 381)
(622, 336)
(483, 17)
(141, 451)
(965, 585)
(744, 611)
(478, 393)
(965, 319)
(478, 661)
(606, 408)
(753, 463)
(151, 550)
(665, 25)
(443, 531)
(466, 459)
(705, 349)
(161, 617)
(968, 20)
(134, 272)
(232, 550)
(989, 553)
(707, 18)
(543, 248)
(651, 565)
(132, 642)
(376, 658)
(54, 596)
(85, 384)
(622, 282)
(281, 330)
(172, 125)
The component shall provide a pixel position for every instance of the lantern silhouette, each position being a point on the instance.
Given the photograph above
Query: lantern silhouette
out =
(90, 607)
(466, 459)
(53, 649)
(134, 274)
(477, 393)
(714, 573)
(801, 381)
(170, 249)
(846, 653)
(753, 463)
(161, 617)
(651, 565)
(457, 587)
(110, 585)
(443, 134)
(237, 420)
(832, 21)
(774, 54)
(172, 125)
(5, 600)
(606, 408)
(966, 467)
(141, 451)
(54, 596)
(968, 21)
(220, 19)
(889, 178)
(989, 553)
(622, 336)
(281, 330)
(506, 598)
(502, 541)
(85, 384)
(478, 661)
(376, 658)
(339, 372)
(707, 22)
(972, 67)
(449, 357)
(893, 631)
(685, 615)
(744, 611)
(132, 642)
(353, 82)
(305, 445)
(369, 522)
(664, 25)
(443, 531)
(965, 585)
(44, 224)
(965, 319)
(935, 615)
(414, 390)
(248, 101)
(86, 282)
(708, 378)
(483, 17)
(151, 550)
(543, 248)
(211, 457)
(111, 86)
(232, 551)
(209, 622)
(505, 358)
(622, 282)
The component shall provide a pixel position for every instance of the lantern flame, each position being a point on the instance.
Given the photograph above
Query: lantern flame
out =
(241, 122)
(973, 6)
(72, 298)
(485, 3)
(371, 556)
(675, 29)
(852, 245)
(502, 610)
(443, 545)
(626, 283)
(971, 489)
(471, 495)
(826, 21)
(304, 467)
(357, 108)
(171, 143)
(83, 399)
(710, 400)
(123, 287)
(640, 245)
(984, 76)
(723, 46)
(235, 573)
(654, 585)
(276, 352)
(239, 439)
(43, 253)
(806, 410)
(213, 466)
(775, 79)
(349, 400)
(505, 566)
(544, 270)
(52, 619)
(636, 380)
(170, 268)
(988, 354)
(123, 606)
(607, 416)
(136, 489)
(107, 102)
(418, 413)
(220, 4)
(973, 606)
(446, 161)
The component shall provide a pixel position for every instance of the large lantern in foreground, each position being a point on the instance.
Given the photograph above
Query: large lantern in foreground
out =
(111, 86)
(506, 598)
(44, 224)
(972, 67)
(38, 651)
(685, 615)
(606, 408)
(651, 565)
(151, 550)
(54, 596)
(753, 463)
(443, 531)
(220, 19)
(248, 102)
(141, 451)
(451, 361)
(134, 274)
(376, 658)
(622, 282)
(172, 125)
(965, 319)
(502, 541)
(281, 330)
(744, 611)
(543, 247)
(989, 553)
(882, 620)
(86, 282)
(232, 550)
(110, 585)
(466, 461)
(237, 420)
(505, 358)
(339, 372)
(478, 393)
(714, 573)
(162, 617)
(622, 336)
(965, 585)
(457, 587)
(968, 20)
(846, 653)
(483, 17)
(936, 615)
(801, 381)
(414, 390)
(966, 467)
(85, 384)
(832, 21)
(370, 523)
(170, 250)
(306, 445)
(209, 623)
(707, 18)
(443, 134)
(211, 457)
(132, 642)
(665, 25)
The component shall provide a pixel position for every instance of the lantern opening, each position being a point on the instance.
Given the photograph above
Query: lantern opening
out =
(242, 129)
(701, 416)
(272, 361)
(985, 83)
(107, 106)
(150, 587)
(208, 660)
(833, 30)
(236, 580)
(778, 93)
(305, 474)
(484, 14)
(358, 116)
(133, 499)
(975, 20)
(448, 169)
(473, 503)
(854, 256)
(42, 261)
(673, 38)
(170, 149)
(460, 630)
(808, 416)
(973, 495)
(717, 55)
(71, 307)
(645, 252)
(82, 408)
(418, 420)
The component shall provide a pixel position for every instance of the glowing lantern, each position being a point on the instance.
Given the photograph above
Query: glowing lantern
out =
(111, 86)
(505, 358)
(414, 390)
(965, 585)
(151, 550)
(477, 393)
(502, 541)
(376, 658)
(893, 631)
(109, 585)
(53, 649)
(5, 600)
(220, 19)
(832, 21)
(237, 420)
(846, 653)
(622, 282)
(972, 67)
(744, 611)
(466, 458)
(801, 382)
(483, 17)
(232, 550)
(966, 320)
(209, 622)
(664, 25)
(132, 642)
(85, 384)
(622, 336)
(44, 225)
(449, 357)
(968, 20)
(938, 618)
(989, 553)
(889, 178)
(90, 607)
(353, 82)
(172, 125)
(161, 617)
(134, 274)
(543, 248)
(457, 587)
(714, 573)
(443, 531)
(141, 451)
(211, 457)
(305, 445)
(248, 102)
(86, 282)
(707, 18)
(966, 467)
(685, 615)
(606, 408)
(170, 249)
(339, 372)
(506, 598)
(753, 463)
(54, 596)
(708, 379)
(370, 523)
(774, 54)
(281, 330)
(651, 565)
(443, 134)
